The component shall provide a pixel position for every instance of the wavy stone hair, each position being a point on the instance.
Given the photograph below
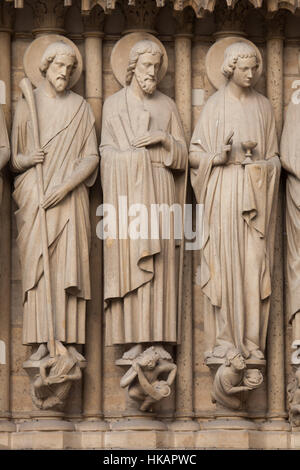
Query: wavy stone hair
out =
(141, 47)
(232, 53)
(54, 49)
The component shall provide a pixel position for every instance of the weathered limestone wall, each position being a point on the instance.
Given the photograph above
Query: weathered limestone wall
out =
(101, 396)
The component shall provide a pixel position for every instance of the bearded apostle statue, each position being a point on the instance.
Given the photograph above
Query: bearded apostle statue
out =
(235, 175)
(142, 147)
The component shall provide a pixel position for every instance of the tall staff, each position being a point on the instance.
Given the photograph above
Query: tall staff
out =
(27, 91)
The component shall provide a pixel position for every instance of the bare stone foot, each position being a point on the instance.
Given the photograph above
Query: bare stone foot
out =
(133, 352)
(40, 353)
(257, 354)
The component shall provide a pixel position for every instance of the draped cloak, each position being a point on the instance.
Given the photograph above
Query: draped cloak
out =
(140, 274)
(4, 143)
(67, 135)
(239, 219)
(290, 158)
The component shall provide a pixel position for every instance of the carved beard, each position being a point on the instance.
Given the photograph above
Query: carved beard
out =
(59, 83)
(147, 84)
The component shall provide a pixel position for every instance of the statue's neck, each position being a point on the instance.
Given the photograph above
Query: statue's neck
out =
(237, 91)
(50, 91)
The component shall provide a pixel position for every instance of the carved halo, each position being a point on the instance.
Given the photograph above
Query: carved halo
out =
(35, 51)
(120, 55)
(215, 58)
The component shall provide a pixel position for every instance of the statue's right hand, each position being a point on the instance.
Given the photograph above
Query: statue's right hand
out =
(32, 159)
(222, 157)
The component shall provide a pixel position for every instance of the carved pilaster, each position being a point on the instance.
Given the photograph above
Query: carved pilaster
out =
(140, 15)
(49, 16)
(7, 16)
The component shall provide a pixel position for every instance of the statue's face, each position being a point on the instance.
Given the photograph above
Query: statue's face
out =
(146, 71)
(59, 71)
(244, 72)
(238, 362)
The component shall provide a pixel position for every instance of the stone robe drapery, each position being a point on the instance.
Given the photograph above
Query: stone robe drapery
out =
(290, 158)
(67, 136)
(239, 216)
(140, 287)
(4, 143)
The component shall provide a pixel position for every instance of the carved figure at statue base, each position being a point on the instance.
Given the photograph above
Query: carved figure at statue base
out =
(232, 379)
(150, 376)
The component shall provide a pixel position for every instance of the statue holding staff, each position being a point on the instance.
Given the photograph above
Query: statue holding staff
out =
(69, 159)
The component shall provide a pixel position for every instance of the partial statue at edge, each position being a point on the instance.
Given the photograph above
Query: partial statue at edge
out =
(289, 153)
(235, 174)
(142, 147)
(54, 152)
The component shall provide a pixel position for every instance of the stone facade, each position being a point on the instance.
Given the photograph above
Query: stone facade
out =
(97, 407)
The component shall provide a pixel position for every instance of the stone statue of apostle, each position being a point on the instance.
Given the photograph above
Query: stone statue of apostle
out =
(4, 148)
(240, 201)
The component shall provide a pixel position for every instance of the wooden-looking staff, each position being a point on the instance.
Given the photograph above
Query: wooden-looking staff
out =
(27, 91)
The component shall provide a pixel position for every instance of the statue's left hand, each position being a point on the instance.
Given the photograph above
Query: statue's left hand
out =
(58, 193)
(152, 138)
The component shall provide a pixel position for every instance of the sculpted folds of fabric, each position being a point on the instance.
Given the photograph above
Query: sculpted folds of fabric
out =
(67, 136)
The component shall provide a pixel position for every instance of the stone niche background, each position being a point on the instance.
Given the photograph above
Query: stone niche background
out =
(203, 31)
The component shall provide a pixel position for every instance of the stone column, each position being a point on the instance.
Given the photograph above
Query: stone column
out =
(275, 340)
(6, 20)
(183, 98)
(93, 375)
(183, 80)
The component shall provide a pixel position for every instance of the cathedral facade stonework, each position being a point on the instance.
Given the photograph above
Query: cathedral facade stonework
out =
(123, 325)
